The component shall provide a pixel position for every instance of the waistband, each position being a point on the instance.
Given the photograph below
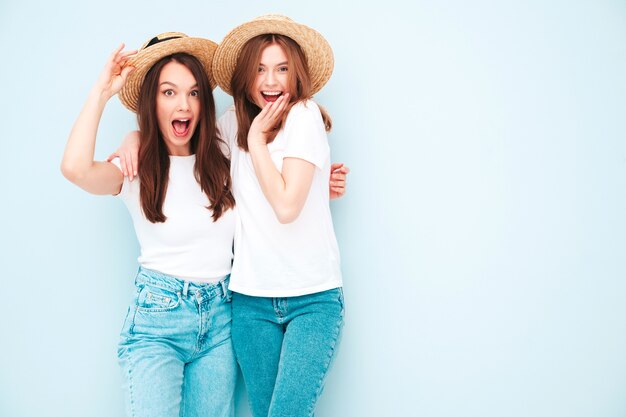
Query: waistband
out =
(177, 285)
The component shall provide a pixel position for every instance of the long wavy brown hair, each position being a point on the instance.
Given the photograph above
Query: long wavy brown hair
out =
(244, 77)
(212, 168)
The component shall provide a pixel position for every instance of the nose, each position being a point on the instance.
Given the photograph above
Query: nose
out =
(270, 78)
(183, 102)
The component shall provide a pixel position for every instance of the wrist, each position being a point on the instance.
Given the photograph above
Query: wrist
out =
(100, 95)
(257, 147)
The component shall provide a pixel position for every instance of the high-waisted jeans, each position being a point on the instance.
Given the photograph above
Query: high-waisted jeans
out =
(285, 347)
(175, 349)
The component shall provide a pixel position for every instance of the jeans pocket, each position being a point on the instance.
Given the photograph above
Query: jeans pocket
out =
(158, 312)
(151, 298)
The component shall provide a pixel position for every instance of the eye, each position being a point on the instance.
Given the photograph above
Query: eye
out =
(168, 93)
(282, 69)
(261, 69)
(194, 93)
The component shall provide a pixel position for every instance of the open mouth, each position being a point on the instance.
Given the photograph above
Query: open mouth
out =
(181, 127)
(271, 96)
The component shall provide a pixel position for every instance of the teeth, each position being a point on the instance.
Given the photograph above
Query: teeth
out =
(181, 120)
(271, 93)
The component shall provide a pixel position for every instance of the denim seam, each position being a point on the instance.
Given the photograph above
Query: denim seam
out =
(157, 309)
(281, 309)
(130, 382)
(320, 384)
(202, 316)
(131, 325)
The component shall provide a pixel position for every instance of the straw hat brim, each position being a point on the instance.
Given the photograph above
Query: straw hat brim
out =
(202, 49)
(317, 51)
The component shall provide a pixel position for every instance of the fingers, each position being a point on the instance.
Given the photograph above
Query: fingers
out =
(123, 162)
(339, 167)
(115, 53)
(128, 54)
(342, 170)
(267, 119)
(265, 111)
(130, 167)
(335, 193)
(122, 158)
(339, 191)
(134, 164)
(125, 71)
(127, 163)
(273, 111)
(129, 154)
(278, 109)
(268, 111)
(338, 175)
(281, 105)
(124, 57)
(335, 166)
(120, 57)
(337, 183)
(116, 70)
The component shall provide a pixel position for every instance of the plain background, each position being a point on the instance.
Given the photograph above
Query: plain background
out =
(483, 234)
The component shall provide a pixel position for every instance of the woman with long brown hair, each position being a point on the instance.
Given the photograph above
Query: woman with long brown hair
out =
(175, 347)
(286, 280)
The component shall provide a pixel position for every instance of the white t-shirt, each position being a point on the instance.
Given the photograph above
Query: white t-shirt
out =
(283, 260)
(189, 244)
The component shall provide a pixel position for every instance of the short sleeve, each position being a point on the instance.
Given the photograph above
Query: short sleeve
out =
(305, 135)
(124, 190)
(227, 126)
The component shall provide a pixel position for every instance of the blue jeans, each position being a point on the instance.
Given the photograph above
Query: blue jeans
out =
(175, 349)
(285, 347)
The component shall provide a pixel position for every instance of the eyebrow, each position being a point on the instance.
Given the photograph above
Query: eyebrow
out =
(174, 85)
(277, 65)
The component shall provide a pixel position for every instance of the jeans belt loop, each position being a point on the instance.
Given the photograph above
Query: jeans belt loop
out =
(224, 289)
(185, 289)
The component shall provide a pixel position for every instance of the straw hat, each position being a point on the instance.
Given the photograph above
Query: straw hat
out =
(319, 55)
(160, 46)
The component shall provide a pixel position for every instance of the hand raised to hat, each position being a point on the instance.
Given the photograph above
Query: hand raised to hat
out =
(115, 72)
(266, 121)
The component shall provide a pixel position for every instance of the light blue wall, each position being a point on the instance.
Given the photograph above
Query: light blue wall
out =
(483, 235)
